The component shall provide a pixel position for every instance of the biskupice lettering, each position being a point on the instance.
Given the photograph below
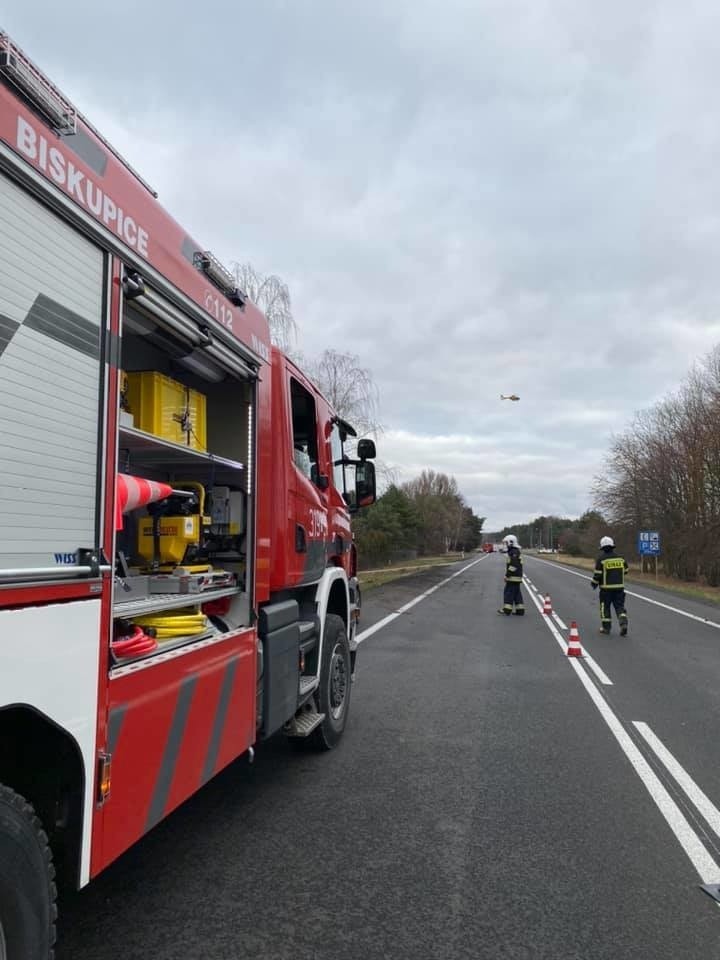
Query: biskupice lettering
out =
(63, 171)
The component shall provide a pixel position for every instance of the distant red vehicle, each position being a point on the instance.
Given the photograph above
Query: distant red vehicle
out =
(488, 548)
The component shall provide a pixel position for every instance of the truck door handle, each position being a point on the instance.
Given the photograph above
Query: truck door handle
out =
(300, 539)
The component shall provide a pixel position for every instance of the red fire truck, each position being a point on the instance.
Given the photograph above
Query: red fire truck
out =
(177, 570)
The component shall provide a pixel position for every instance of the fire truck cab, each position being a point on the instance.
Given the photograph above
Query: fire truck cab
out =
(178, 578)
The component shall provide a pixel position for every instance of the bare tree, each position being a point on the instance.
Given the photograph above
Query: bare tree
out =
(351, 391)
(349, 388)
(388, 476)
(272, 296)
(664, 474)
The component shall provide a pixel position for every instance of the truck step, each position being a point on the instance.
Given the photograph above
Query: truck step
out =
(308, 635)
(307, 685)
(304, 724)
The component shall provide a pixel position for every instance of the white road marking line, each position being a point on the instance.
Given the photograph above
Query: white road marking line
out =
(594, 666)
(697, 853)
(704, 805)
(407, 606)
(707, 869)
(556, 618)
(639, 596)
(375, 627)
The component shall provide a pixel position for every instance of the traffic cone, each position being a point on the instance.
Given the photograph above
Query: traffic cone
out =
(574, 649)
(134, 492)
(547, 605)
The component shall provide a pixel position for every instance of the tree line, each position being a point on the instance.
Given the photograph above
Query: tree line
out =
(427, 516)
(577, 537)
(664, 475)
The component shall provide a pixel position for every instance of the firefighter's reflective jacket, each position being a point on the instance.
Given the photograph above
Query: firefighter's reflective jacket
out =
(514, 567)
(610, 571)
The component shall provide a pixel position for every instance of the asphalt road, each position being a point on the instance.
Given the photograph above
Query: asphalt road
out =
(491, 798)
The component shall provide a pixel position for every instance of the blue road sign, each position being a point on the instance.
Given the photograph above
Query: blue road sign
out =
(649, 543)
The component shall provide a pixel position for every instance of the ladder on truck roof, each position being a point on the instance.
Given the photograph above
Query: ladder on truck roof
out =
(19, 71)
(22, 73)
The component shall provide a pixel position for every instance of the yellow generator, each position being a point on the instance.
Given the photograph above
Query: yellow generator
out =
(174, 532)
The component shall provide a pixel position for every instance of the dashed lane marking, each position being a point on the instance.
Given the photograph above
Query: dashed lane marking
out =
(536, 598)
(696, 851)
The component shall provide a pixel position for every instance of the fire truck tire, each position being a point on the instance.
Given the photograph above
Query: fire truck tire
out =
(27, 883)
(335, 684)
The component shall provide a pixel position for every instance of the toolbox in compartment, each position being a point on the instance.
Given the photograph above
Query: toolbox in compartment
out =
(132, 588)
(168, 409)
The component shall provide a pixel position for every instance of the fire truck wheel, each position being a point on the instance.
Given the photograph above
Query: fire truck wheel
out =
(27, 885)
(334, 689)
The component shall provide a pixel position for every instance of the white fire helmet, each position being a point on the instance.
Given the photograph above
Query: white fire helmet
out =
(607, 542)
(511, 540)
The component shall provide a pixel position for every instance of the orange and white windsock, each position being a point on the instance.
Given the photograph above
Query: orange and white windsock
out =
(135, 492)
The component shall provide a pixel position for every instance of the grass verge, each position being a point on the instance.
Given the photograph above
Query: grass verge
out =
(370, 579)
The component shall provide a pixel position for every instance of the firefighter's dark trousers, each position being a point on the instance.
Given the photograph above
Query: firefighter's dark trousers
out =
(513, 600)
(608, 600)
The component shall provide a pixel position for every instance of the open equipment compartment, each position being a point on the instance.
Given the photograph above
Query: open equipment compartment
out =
(183, 559)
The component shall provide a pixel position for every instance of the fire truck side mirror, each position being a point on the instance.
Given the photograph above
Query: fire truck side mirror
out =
(366, 449)
(365, 493)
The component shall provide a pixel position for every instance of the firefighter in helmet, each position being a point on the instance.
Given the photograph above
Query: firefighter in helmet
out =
(512, 595)
(609, 576)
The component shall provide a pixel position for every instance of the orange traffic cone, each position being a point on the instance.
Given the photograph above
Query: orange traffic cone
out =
(574, 649)
(134, 492)
(547, 605)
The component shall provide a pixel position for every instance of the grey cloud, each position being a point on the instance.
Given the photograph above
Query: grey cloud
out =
(476, 198)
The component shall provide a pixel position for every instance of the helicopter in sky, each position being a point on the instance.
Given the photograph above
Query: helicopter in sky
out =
(512, 396)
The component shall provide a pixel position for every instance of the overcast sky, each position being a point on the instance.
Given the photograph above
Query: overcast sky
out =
(473, 196)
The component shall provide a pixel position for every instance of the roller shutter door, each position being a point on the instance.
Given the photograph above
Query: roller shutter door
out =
(51, 311)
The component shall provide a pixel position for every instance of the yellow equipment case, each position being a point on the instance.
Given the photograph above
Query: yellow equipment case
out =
(168, 409)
